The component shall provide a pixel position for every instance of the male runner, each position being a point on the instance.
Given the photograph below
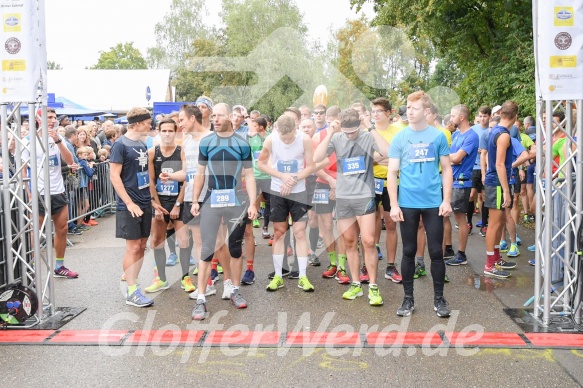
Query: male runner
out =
(417, 152)
(131, 181)
(355, 204)
(224, 157)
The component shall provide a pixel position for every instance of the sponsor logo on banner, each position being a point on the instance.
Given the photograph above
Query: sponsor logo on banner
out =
(12, 22)
(563, 61)
(563, 40)
(564, 17)
(12, 45)
(14, 65)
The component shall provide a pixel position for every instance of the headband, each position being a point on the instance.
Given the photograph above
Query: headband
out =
(139, 118)
(205, 101)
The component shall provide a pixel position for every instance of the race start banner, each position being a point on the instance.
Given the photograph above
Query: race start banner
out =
(23, 57)
(559, 49)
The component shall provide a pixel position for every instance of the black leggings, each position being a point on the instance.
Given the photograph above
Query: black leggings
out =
(433, 223)
(210, 220)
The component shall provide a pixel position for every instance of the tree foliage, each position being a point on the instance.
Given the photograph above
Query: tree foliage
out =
(176, 33)
(52, 65)
(486, 47)
(123, 56)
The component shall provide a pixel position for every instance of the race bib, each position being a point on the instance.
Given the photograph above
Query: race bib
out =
(287, 166)
(351, 166)
(321, 196)
(223, 198)
(190, 175)
(421, 152)
(143, 180)
(168, 188)
(379, 185)
(53, 161)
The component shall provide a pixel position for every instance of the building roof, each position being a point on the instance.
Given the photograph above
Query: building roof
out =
(111, 90)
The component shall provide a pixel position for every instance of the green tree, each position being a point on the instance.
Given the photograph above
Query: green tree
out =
(486, 46)
(176, 33)
(123, 56)
(52, 65)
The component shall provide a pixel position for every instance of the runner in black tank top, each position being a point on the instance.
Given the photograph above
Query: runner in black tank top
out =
(166, 179)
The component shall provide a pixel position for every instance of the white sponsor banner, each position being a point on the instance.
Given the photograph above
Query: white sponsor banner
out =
(559, 50)
(22, 50)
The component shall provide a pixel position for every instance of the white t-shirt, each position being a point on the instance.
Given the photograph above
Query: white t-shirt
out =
(288, 158)
(55, 176)
(190, 145)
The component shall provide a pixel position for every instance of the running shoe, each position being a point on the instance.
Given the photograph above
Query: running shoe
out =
(379, 253)
(441, 307)
(237, 300)
(514, 251)
(496, 272)
(186, 284)
(314, 260)
(503, 246)
(458, 259)
(74, 231)
(157, 285)
(83, 227)
(256, 223)
(353, 292)
(518, 240)
(265, 234)
(199, 313)
(479, 224)
(446, 278)
(305, 284)
(92, 223)
(172, 260)
(294, 274)
(503, 264)
(407, 307)
(275, 284)
(284, 273)
(195, 270)
(64, 272)
(483, 231)
(138, 300)
(191, 261)
(392, 274)
(248, 278)
(270, 242)
(219, 268)
(532, 262)
(342, 277)
(525, 219)
(448, 253)
(227, 289)
(214, 275)
(210, 290)
(330, 271)
(374, 296)
(363, 277)
(531, 248)
(419, 271)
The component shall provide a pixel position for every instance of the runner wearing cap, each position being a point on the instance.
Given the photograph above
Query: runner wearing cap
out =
(355, 196)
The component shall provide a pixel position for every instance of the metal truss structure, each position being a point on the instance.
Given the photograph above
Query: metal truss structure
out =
(559, 199)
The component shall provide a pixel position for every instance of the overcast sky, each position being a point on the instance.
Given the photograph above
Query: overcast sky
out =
(77, 31)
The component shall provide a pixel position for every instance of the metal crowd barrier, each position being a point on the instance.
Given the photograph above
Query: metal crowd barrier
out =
(88, 194)
(96, 196)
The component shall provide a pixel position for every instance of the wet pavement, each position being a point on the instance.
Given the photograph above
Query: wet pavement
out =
(477, 304)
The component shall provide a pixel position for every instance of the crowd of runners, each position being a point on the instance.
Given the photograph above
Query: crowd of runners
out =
(320, 178)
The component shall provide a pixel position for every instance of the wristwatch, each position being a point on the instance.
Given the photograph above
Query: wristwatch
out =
(58, 141)
(177, 204)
